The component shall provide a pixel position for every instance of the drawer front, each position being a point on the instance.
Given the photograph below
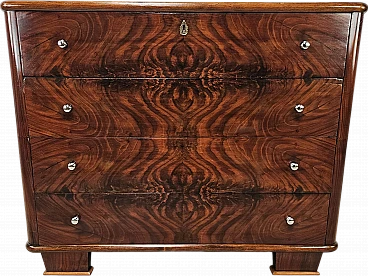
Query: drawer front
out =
(182, 108)
(217, 45)
(178, 218)
(260, 165)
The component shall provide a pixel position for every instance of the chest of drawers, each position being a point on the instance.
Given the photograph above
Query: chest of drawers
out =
(172, 126)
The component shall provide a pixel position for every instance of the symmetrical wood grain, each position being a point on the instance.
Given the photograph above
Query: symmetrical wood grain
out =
(182, 108)
(183, 141)
(181, 218)
(111, 44)
(257, 165)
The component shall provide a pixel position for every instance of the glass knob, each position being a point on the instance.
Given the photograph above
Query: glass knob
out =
(72, 165)
(305, 45)
(62, 43)
(290, 220)
(299, 108)
(67, 108)
(75, 220)
(294, 166)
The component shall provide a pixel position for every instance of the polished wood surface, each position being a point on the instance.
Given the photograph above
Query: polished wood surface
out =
(182, 108)
(345, 124)
(184, 6)
(181, 218)
(150, 45)
(242, 248)
(182, 143)
(258, 165)
(21, 135)
(293, 273)
(89, 272)
(297, 261)
(67, 262)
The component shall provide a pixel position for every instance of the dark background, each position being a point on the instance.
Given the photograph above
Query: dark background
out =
(350, 257)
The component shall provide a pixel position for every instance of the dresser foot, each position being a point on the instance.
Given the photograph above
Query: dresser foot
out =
(293, 273)
(295, 263)
(68, 273)
(67, 263)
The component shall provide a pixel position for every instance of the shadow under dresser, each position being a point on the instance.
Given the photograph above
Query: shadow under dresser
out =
(182, 126)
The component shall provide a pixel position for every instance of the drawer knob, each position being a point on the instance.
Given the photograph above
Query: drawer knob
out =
(62, 43)
(294, 166)
(305, 45)
(290, 220)
(67, 108)
(72, 165)
(75, 220)
(184, 29)
(299, 108)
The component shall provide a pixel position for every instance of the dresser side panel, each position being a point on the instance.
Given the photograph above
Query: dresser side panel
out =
(22, 128)
(343, 131)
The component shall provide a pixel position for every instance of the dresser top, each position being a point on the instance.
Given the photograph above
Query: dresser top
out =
(182, 6)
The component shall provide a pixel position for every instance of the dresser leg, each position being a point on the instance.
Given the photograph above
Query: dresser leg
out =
(67, 263)
(295, 263)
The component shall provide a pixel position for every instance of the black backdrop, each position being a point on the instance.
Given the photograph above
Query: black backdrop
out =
(350, 256)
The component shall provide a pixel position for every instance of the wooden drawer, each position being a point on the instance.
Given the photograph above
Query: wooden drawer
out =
(182, 108)
(218, 45)
(179, 218)
(260, 165)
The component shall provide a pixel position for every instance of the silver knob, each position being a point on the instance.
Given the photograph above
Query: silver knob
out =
(290, 220)
(294, 166)
(67, 108)
(72, 165)
(305, 45)
(75, 220)
(62, 43)
(299, 108)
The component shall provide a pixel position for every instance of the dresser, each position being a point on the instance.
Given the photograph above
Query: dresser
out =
(182, 127)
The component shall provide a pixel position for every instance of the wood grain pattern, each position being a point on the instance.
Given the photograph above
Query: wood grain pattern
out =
(344, 125)
(257, 165)
(207, 248)
(182, 108)
(296, 261)
(179, 218)
(110, 44)
(57, 262)
(185, 5)
(22, 133)
(182, 142)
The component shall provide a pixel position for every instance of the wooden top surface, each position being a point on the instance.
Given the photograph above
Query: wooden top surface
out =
(182, 6)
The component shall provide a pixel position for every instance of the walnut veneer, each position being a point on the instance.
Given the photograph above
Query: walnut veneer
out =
(182, 126)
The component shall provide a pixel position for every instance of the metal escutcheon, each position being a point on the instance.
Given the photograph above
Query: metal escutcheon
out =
(299, 108)
(75, 220)
(294, 166)
(290, 220)
(305, 45)
(62, 43)
(72, 165)
(67, 108)
(184, 29)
